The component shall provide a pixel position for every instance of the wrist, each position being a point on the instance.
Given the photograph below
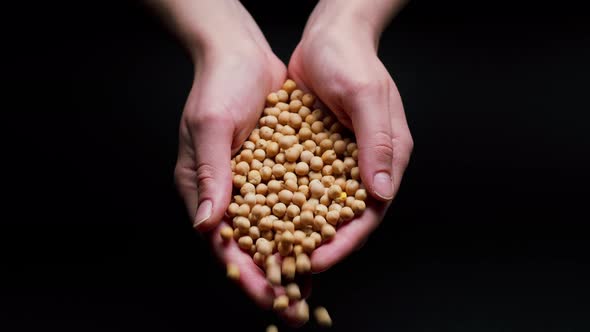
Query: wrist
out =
(340, 20)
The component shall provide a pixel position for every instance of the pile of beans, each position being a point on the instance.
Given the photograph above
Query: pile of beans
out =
(295, 181)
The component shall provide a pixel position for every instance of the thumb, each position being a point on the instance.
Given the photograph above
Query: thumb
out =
(370, 115)
(212, 138)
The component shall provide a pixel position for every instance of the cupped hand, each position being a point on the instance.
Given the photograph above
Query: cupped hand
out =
(339, 64)
(223, 107)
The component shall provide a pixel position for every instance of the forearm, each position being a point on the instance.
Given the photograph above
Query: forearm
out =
(364, 16)
(209, 25)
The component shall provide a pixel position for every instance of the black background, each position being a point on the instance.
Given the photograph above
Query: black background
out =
(486, 234)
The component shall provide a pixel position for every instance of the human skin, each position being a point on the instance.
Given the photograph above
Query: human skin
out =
(235, 69)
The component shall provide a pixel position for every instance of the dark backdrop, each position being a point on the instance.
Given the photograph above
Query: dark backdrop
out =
(486, 234)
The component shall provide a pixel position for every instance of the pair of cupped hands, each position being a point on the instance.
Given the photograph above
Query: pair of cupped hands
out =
(338, 62)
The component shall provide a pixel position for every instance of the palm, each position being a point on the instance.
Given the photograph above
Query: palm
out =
(322, 72)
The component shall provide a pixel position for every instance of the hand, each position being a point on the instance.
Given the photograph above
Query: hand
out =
(339, 63)
(223, 107)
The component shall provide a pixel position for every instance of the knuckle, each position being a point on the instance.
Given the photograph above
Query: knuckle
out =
(197, 119)
(205, 175)
(381, 146)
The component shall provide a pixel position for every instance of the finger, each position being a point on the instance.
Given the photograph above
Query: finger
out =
(252, 279)
(402, 139)
(349, 237)
(211, 134)
(369, 109)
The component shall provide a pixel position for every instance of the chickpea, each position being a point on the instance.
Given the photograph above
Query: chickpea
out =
(232, 209)
(322, 317)
(283, 118)
(308, 245)
(317, 238)
(327, 170)
(325, 199)
(321, 210)
(328, 232)
(272, 111)
(298, 199)
(298, 249)
(302, 263)
(296, 95)
(259, 154)
(248, 146)
(302, 180)
(254, 233)
(318, 222)
(272, 99)
(292, 154)
(278, 225)
(358, 206)
(332, 217)
(263, 246)
(272, 199)
(316, 163)
(265, 173)
(271, 122)
(290, 176)
(243, 210)
(361, 194)
(289, 268)
(239, 199)
(273, 273)
(314, 175)
(239, 180)
(258, 259)
(285, 196)
(282, 107)
(328, 157)
(226, 233)
(288, 131)
(280, 303)
(349, 201)
(289, 86)
(250, 199)
(254, 177)
(317, 127)
(278, 171)
(349, 163)
(351, 187)
(255, 165)
(328, 180)
(326, 144)
(287, 141)
(303, 112)
(246, 155)
(257, 211)
(284, 248)
(334, 191)
(308, 99)
(291, 185)
(295, 105)
(346, 213)
(242, 168)
(338, 167)
(283, 95)
(328, 121)
(298, 236)
(268, 162)
(295, 121)
(293, 292)
(233, 272)
(245, 242)
(309, 145)
(293, 211)
(272, 149)
(306, 217)
(301, 169)
(317, 188)
(341, 182)
(279, 209)
(304, 189)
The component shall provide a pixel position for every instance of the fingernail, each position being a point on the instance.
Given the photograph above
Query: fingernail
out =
(383, 185)
(203, 212)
